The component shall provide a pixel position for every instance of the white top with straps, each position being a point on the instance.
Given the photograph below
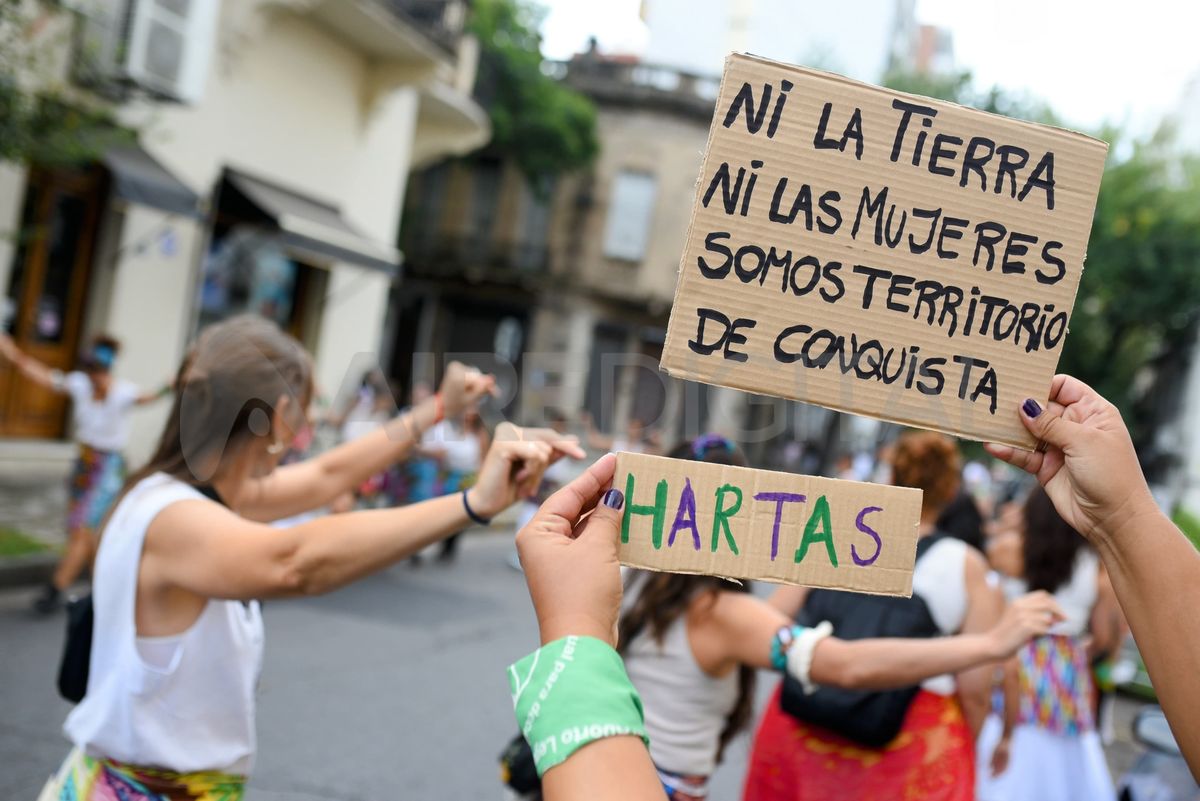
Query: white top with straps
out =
(1077, 596)
(196, 711)
(940, 579)
(685, 708)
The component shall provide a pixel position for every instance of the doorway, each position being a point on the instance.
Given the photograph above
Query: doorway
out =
(47, 293)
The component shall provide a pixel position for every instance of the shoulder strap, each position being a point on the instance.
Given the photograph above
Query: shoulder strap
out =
(210, 492)
(927, 542)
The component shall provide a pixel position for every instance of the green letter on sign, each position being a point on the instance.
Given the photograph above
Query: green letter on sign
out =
(658, 510)
(721, 518)
(819, 516)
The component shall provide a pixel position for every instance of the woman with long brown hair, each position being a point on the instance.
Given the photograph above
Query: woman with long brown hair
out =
(930, 754)
(692, 646)
(1048, 747)
(183, 558)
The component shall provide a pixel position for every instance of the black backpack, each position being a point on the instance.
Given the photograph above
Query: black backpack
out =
(868, 717)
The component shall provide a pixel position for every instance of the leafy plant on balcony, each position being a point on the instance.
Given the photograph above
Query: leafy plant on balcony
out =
(41, 121)
(546, 128)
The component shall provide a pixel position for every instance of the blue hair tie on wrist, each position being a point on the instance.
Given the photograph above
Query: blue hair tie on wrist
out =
(471, 513)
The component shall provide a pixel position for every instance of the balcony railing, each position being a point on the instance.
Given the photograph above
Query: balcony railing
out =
(620, 81)
(477, 256)
(443, 21)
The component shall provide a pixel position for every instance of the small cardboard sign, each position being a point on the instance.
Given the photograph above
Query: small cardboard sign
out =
(881, 253)
(696, 517)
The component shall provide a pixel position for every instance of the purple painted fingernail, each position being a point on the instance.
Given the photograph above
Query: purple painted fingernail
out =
(1031, 407)
(613, 499)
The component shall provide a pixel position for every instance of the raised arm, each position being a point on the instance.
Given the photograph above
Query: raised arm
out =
(748, 625)
(315, 482)
(1107, 626)
(1091, 473)
(569, 555)
(28, 366)
(150, 397)
(208, 550)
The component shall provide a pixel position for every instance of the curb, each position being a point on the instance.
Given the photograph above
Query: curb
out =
(27, 571)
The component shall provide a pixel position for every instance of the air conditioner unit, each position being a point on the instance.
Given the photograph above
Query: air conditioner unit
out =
(160, 46)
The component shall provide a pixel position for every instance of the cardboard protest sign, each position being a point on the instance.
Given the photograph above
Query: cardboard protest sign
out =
(695, 517)
(881, 253)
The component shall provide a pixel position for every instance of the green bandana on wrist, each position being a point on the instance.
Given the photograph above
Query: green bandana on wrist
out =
(569, 693)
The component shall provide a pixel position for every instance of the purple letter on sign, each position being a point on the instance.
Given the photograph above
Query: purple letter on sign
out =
(864, 528)
(780, 498)
(687, 505)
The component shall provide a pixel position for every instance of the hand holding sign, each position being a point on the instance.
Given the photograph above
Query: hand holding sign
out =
(880, 253)
(698, 517)
(569, 555)
(1089, 467)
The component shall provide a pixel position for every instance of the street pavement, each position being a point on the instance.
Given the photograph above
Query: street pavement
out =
(391, 689)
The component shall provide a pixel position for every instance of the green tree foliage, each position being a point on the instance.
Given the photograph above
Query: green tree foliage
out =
(39, 122)
(1140, 295)
(544, 126)
(1139, 298)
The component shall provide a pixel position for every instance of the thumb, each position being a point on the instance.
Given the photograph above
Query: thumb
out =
(1048, 425)
(604, 522)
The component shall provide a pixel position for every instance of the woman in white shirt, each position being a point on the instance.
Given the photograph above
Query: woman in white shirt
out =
(101, 407)
(458, 445)
(177, 644)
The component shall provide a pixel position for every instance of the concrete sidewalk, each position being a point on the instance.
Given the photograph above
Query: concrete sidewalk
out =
(33, 501)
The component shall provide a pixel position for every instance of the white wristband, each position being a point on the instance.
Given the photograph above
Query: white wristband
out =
(800, 654)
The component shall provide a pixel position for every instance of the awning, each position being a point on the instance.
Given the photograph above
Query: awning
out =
(312, 228)
(138, 178)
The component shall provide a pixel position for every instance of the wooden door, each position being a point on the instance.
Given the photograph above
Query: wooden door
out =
(47, 293)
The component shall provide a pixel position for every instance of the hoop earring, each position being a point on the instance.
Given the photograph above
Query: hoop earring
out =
(276, 448)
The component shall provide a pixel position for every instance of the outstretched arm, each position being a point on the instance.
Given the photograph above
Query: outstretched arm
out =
(315, 482)
(985, 605)
(748, 626)
(205, 549)
(569, 555)
(1091, 473)
(150, 397)
(28, 366)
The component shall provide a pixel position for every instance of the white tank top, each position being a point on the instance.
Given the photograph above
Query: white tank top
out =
(1077, 596)
(940, 579)
(194, 713)
(685, 707)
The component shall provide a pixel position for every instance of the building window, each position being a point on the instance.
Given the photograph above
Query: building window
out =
(247, 271)
(604, 373)
(630, 213)
(530, 252)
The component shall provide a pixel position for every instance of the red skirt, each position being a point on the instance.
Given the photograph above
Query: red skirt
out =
(931, 759)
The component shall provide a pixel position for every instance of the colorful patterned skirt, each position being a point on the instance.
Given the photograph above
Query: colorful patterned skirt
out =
(95, 482)
(1055, 751)
(82, 778)
(931, 759)
(1056, 685)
